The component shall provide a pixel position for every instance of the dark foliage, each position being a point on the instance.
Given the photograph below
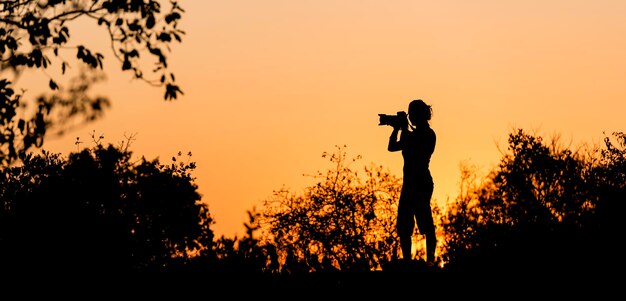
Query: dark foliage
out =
(36, 35)
(544, 209)
(97, 211)
(546, 219)
(236, 259)
(342, 223)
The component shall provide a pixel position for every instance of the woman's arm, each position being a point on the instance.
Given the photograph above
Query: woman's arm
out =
(394, 144)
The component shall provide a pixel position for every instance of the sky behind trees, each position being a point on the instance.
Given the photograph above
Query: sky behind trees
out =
(270, 86)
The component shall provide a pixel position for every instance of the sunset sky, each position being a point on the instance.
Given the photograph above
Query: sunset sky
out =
(271, 85)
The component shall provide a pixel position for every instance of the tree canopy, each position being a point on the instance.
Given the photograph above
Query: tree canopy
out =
(36, 35)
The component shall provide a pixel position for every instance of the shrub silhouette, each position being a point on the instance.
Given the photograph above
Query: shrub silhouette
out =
(342, 223)
(237, 256)
(99, 211)
(544, 208)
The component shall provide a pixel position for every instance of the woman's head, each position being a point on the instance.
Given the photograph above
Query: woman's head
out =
(419, 111)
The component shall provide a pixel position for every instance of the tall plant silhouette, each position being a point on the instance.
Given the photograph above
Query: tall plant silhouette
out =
(345, 222)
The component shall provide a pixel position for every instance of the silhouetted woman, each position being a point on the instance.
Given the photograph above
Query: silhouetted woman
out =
(417, 143)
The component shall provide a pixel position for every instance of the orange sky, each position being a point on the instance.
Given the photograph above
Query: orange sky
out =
(270, 85)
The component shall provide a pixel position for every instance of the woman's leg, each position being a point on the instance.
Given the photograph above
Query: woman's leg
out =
(405, 222)
(425, 222)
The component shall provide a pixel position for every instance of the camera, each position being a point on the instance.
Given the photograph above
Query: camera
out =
(397, 121)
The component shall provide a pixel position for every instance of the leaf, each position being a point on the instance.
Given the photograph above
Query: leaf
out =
(172, 91)
(172, 17)
(53, 85)
(150, 21)
(99, 58)
(126, 65)
(80, 51)
(20, 125)
(165, 37)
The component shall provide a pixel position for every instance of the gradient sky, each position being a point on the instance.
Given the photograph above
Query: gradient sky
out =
(270, 85)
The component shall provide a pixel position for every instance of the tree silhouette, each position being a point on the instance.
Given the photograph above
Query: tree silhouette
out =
(342, 223)
(544, 208)
(98, 211)
(36, 35)
(609, 177)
